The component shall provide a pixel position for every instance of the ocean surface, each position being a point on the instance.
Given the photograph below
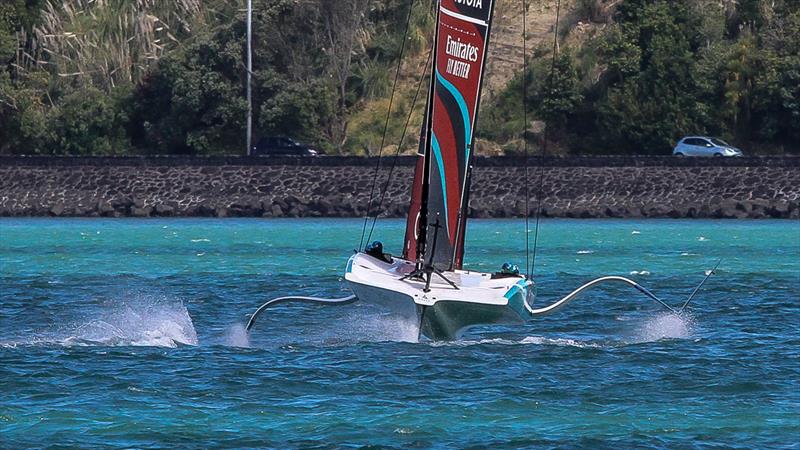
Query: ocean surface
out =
(129, 333)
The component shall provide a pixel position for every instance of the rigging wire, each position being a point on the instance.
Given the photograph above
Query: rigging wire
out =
(400, 144)
(524, 134)
(386, 123)
(544, 144)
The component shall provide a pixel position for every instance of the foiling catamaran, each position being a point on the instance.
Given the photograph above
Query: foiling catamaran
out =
(427, 284)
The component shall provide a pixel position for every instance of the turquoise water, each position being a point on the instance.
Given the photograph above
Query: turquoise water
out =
(127, 333)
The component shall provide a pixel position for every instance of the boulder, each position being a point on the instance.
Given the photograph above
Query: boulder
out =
(205, 210)
(104, 208)
(656, 210)
(781, 207)
(164, 210)
(141, 212)
(57, 210)
(323, 206)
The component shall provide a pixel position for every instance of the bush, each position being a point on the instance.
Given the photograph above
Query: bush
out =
(89, 122)
(193, 102)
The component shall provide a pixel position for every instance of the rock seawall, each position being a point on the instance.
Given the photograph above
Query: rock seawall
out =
(339, 187)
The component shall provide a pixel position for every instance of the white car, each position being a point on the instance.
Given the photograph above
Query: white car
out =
(704, 146)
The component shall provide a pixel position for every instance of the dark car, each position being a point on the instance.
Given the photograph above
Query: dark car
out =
(282, 146)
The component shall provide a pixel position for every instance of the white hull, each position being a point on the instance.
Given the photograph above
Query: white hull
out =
(444, 312)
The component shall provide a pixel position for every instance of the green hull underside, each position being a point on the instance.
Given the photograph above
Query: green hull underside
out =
(447, 320)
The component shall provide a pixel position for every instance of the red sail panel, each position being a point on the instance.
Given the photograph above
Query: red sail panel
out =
(412, 222)
(462, 34)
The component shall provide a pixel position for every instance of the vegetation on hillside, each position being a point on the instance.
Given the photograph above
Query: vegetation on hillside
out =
(156, 76)
(662, 70)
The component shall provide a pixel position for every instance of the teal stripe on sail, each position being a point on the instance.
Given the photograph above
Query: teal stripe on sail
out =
(462, 105)
(440, 163)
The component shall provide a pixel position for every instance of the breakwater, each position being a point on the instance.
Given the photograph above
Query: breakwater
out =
(586, 187)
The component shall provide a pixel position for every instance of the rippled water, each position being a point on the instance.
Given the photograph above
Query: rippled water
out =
(130, 333)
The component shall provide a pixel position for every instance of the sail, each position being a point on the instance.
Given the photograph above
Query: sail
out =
(414, 243)
(462, 34)
(415, 208)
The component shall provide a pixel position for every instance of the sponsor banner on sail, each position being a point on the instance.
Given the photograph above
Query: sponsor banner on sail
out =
(461, 38)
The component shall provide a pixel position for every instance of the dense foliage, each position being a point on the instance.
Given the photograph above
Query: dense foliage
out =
(662, 70)
(153, 76)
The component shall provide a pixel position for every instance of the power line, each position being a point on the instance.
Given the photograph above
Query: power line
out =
(386, 124)
(400, 144)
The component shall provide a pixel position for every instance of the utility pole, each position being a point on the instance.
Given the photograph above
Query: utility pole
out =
(249, 76)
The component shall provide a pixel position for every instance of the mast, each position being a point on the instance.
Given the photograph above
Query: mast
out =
(417, 221)
(461, 40)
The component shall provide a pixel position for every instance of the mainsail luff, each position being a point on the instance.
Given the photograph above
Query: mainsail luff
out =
(412, 242)
(417, 220)
(461, 40)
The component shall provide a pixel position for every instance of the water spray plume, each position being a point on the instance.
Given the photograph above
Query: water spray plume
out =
(141, 321)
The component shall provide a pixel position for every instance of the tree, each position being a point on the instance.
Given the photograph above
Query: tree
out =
(89, 122)
(193, 102)
(342, 24)
(776, 102)
(557, 95)
(651, 107)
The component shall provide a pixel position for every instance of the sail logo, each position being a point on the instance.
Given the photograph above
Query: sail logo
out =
(460, 50)
(471, 3)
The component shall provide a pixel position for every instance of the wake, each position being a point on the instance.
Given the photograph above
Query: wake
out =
(354, 327)
(663, 326)
(160, 322)
(142, 321)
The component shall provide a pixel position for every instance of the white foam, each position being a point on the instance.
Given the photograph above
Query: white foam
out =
(237, 336)
(585, 252)
(640, 272)
(378, 328)
(528, 340)
(664, 326)
(361, 325)
(560, 342)
(141, 321)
